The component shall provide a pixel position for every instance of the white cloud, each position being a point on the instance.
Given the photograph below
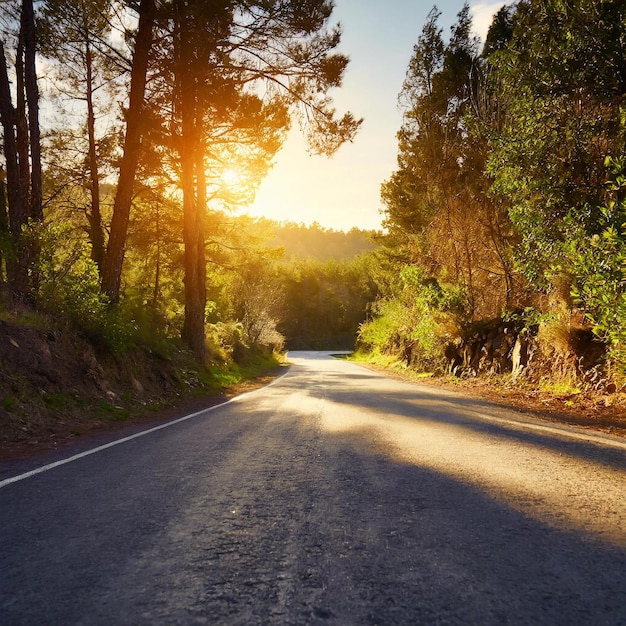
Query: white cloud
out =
(482, 14)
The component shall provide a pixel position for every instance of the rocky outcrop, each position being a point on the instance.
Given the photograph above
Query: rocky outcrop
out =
(508, 346)
(487, 347)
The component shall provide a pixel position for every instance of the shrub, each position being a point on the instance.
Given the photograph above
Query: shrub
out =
(70, 289)
(599, 267)
(414, 324)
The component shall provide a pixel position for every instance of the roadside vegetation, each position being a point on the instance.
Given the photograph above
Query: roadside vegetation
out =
(506, 216)
(73, 363)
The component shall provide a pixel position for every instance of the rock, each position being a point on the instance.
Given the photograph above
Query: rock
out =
(519, 358)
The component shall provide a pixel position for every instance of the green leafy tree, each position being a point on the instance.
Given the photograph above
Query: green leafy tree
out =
(561, 83)
(75, 35)
(438, 210)
(220, 54)
(414, 323)
(325, 302)
(599, 264)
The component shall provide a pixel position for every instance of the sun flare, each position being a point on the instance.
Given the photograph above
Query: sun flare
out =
(231, 177)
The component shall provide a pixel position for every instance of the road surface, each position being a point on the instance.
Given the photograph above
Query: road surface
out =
(334, 496)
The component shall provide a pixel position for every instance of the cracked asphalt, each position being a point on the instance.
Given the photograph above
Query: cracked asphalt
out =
(334, 496)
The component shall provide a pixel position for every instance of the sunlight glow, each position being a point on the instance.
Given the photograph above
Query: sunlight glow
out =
(344, 191)
(231, 177)
(495, 465)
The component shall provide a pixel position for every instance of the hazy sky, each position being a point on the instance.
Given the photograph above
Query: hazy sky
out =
(344, 191)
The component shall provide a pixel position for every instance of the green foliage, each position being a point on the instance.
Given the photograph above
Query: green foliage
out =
(560, 82)
(324, 303)
(599, 264)
(69, 278)
(527, 317)
(57, 401)
(70, 289)
(448, 298)
(111, 412)
(509, 148)
(8, 403)
(500, 32)
(414, 324)
(219, 377)
(223, 340)
(438, 212)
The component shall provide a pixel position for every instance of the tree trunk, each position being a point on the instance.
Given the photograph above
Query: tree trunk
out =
(157, 269)
(193, 231)
(96, 234)
(195, 279)
(32, 99)
(200, 236)
(4, 221)
(114, 259)
(16, 268)
(21, 123)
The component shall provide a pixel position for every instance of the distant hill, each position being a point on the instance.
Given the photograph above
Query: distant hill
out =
(321, 243)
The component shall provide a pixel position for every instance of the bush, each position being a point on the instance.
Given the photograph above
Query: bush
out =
(599, 267)
(70, 290)
(416, 323)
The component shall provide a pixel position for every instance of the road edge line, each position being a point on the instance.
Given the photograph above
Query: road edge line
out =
(111, 444)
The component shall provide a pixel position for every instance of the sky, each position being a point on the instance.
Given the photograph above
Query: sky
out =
(343, 191)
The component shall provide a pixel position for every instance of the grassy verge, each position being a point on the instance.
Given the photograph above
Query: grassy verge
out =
(225, 377)
(389, 363)
(37, 415)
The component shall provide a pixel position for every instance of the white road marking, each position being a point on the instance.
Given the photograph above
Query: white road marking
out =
(81, 455)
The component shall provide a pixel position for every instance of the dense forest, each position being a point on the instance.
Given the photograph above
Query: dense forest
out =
(132, 131)
(506, 215)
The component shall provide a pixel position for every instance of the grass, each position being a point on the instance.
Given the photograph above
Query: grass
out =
(111, 412)
(8, 402)
(66, 404)
(560, 388)
(388, 362)
(27, 318)
(220, 377)
(57, 401)
(153, 407)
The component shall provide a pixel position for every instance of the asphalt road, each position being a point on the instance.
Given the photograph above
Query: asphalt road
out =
(334, 496)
